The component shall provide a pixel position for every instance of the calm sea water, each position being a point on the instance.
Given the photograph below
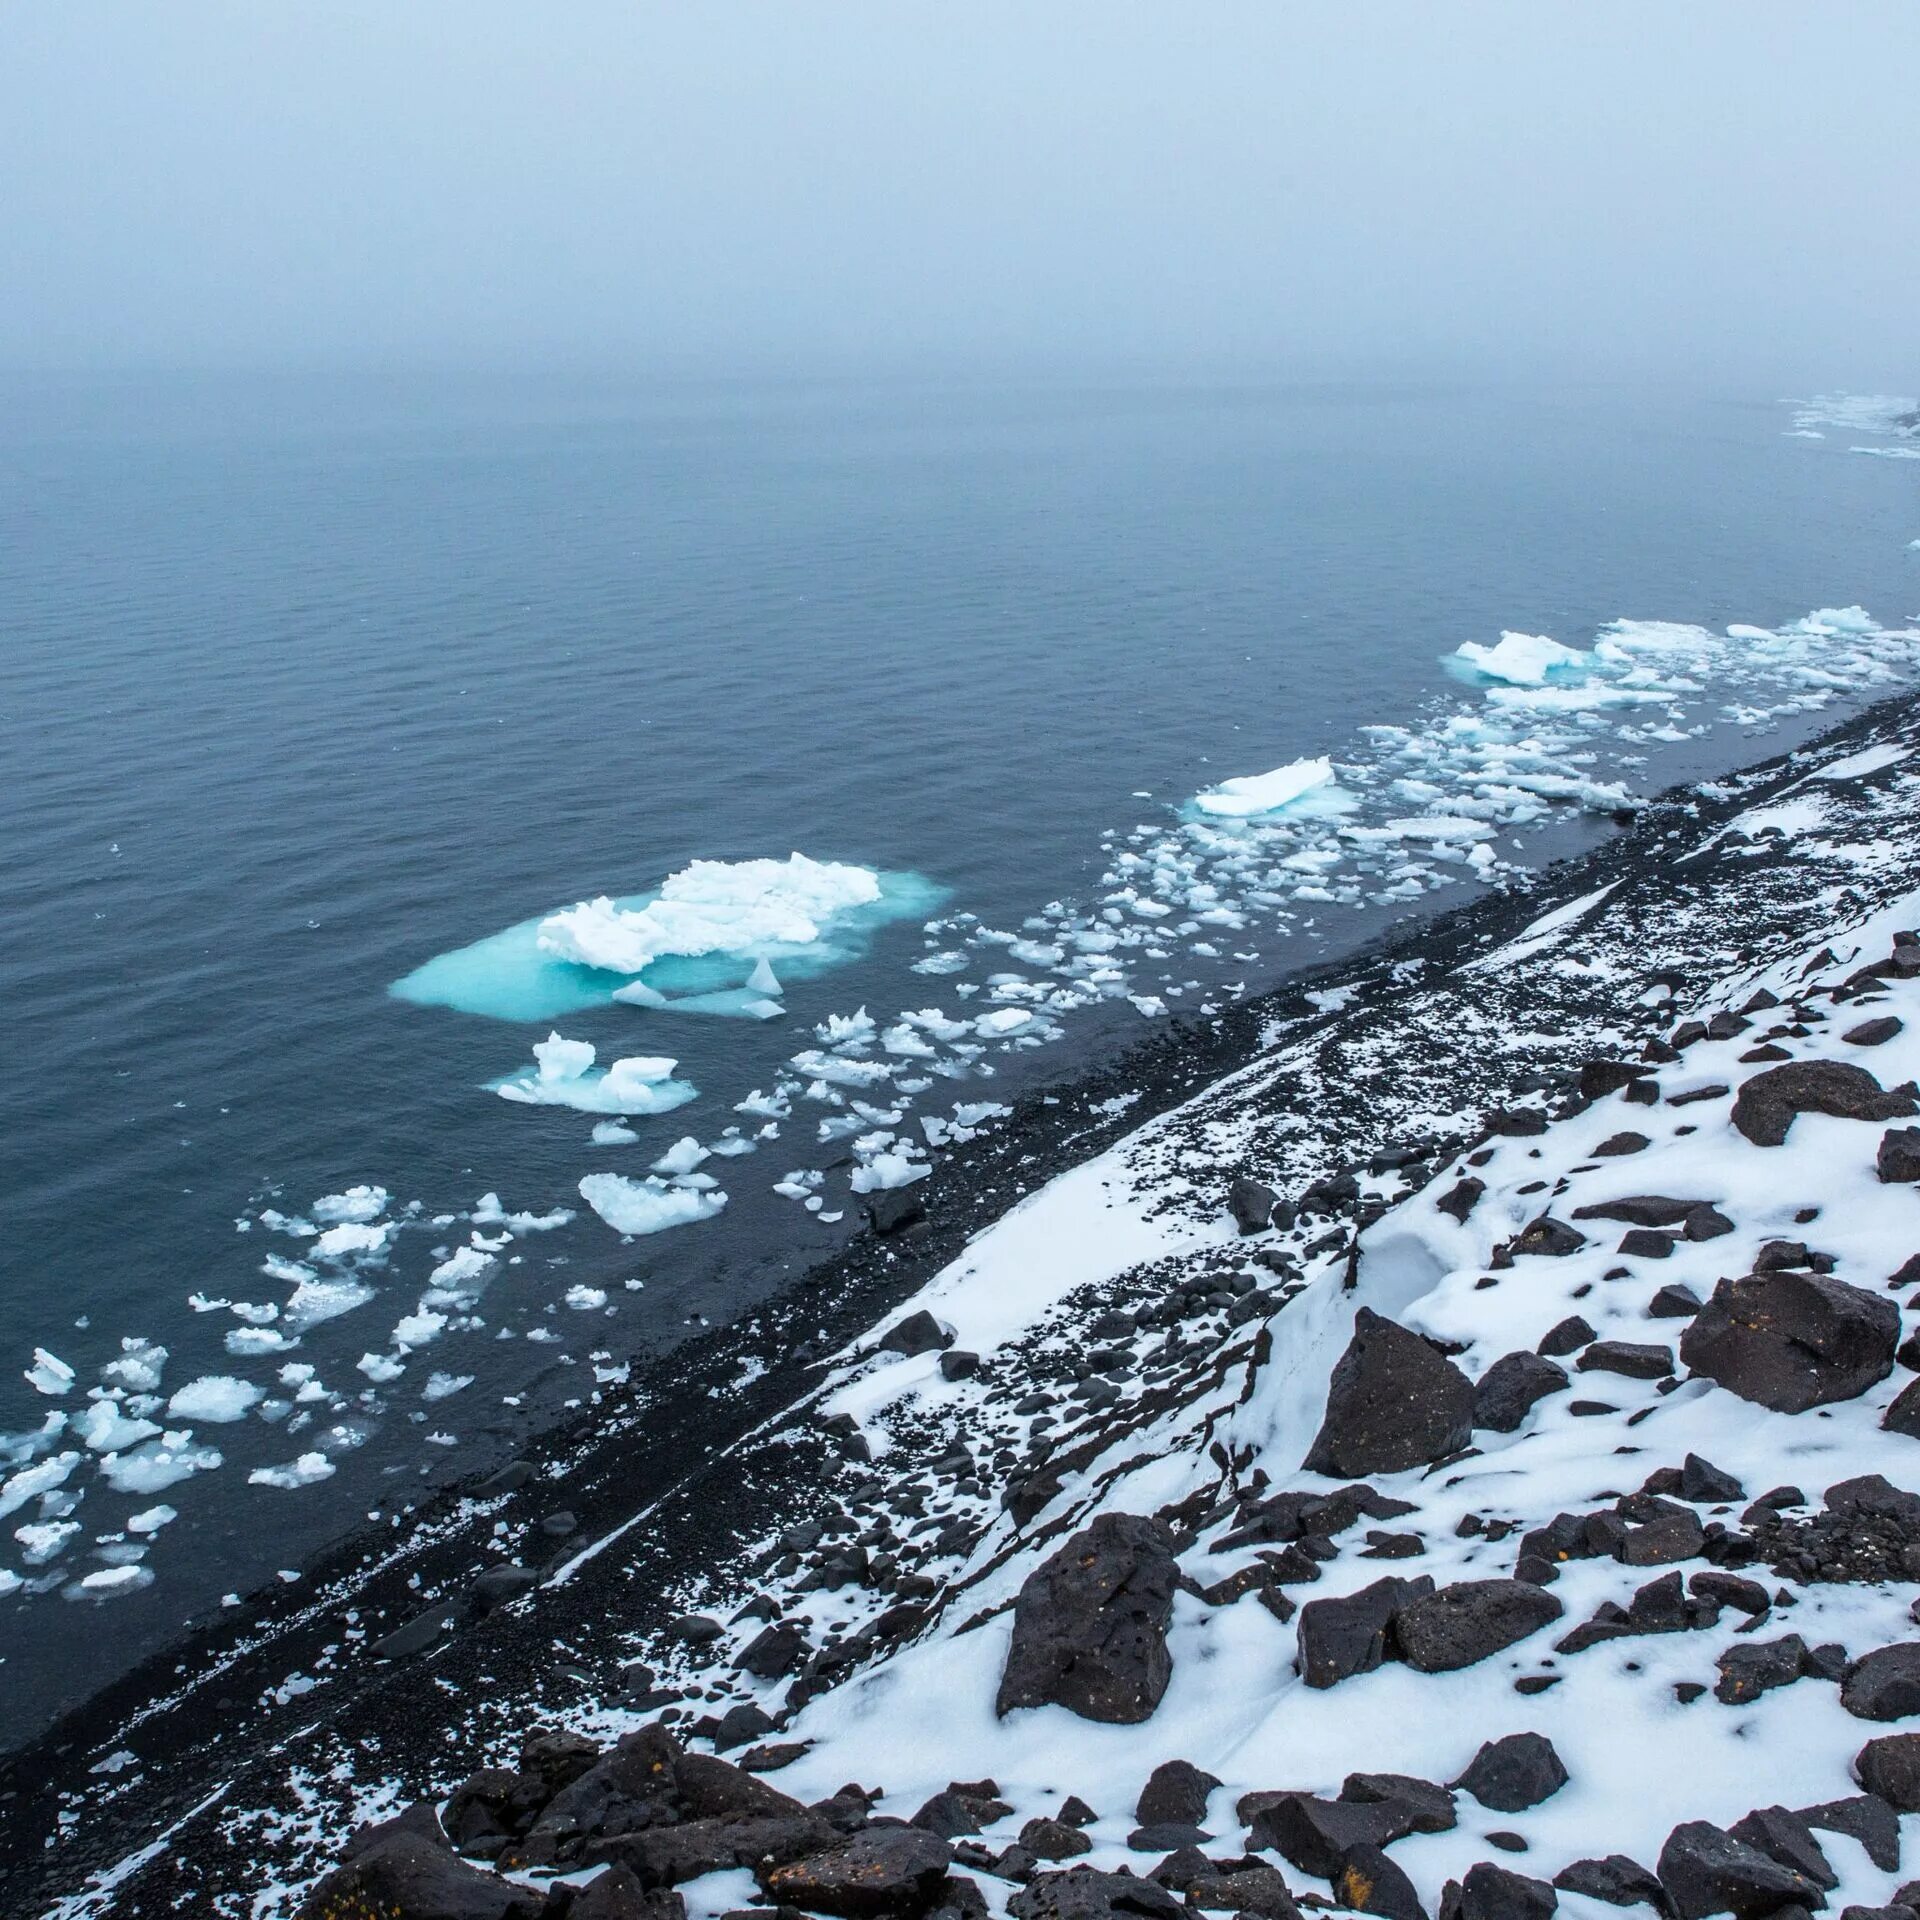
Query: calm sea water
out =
(302, 682)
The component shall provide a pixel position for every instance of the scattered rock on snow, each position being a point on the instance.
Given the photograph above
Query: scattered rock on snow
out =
(1394, 1403)
(1791, 1341)
(1090, 1625)
(1766, 1105)
(1468, 1621)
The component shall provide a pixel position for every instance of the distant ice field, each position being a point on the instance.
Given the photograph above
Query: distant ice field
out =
(496, 877)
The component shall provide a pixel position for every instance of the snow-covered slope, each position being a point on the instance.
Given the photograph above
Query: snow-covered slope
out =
(1560, 1259)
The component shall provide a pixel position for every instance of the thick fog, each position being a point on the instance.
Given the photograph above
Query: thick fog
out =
(1273, 186)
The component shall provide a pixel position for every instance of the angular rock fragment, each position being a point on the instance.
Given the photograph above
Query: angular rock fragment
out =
(1341, 1637)
(404, 1874)
(1394, 1403)
(918, 1333)
(1767, 1104)
(1251, 1202)
(1090, 1625)
(1368, 1882)
(885, 1873)
(1468, 1621)
(1175, 1794)
(1634, 1360)
(1566, 1336)
(1427, 1805)
(1615, 1878)
(1080, 1893)
(1785, 1836)
(1791, 1341)
(1898, 1161)
(1884, 1684)
(1494, 1893)
(1515, 1773)
(1750, 1668)
(1509, 1389)
(1705, 1870)
(1889, 1768)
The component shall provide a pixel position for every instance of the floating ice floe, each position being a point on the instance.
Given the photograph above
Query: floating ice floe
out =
(566, 1077)
(158, 1464)
(303, 1472)
(49, 1374)
(359, 1205)
(1522, 659)
(647, 1206)
(1255, 793)
(718, 936)
(215, 1397)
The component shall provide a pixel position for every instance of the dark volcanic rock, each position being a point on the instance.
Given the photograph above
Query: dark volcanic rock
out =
(1898, 1161)
(1428, 1806)
(1890, 1769)
(1884, 1684)
(1082, 1894)
(1509, 1389)
(1468, 1621)
(1750, 1668)
(1785, 1836)
(1369, 1882)
(885, 1873)
(1090, 1626)
(413, 1879)
(1260, 1890)
(1567, 1336)
(1707, 1871)
(1318, 1836)
(1866, 1817)
(1175, 1794)
(917, 1333)
(1767, 1104)
(1614, 1878)
(894, 1209)
(1634, 1360)
(1341, 1637)
(1494, 1893)
(1394, 1404)
(618, 1895)
(1514, 1774)
(1251, 1202)
(1548, 1238)
(1791, 1341)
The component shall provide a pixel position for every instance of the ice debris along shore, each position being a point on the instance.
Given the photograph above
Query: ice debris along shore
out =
(1185, 905)
(1621, 1385)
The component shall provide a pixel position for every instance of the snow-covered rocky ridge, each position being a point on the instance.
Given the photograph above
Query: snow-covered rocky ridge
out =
(1132, 1361)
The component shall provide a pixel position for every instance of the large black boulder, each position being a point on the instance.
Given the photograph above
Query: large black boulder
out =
(1791, 1341)
(1347, 1635)
(409, 1877)
(1890, 1768)
(1615, 1878)
(1494, 1893)
(1319, 1836)
(1251, 1202)
(1705, 1870)
(1460, 1624)
(1394, 1403)
(1081, 1893)
(618, 1895)
(1766, 1105)
(885, 1873)
(1884, 1684)
(918, 1333)
(1175, 1795)
(1369, 1882)
(1090, 1625)
(1509, 1389)
(1515, 1773)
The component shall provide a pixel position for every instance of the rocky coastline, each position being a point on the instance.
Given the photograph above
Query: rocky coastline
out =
(1556, 1252)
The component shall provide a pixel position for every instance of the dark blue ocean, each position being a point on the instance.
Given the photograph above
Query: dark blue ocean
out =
(304, 681)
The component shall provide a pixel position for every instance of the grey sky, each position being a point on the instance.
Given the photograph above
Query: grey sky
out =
(1629, 185)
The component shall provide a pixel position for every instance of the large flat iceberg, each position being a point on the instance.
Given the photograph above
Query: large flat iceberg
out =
(707, 941)
(1251, 793)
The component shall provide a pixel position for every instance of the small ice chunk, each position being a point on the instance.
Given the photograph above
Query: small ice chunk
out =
(215, 1397)
(440, 1385)
(586, 1299)
(105, 1427)
(158, 1464)
(763, 979)
(151, 1519)
(31, 1482)
(1002, 1020)
(612, 1133)
(138, 1367)
(302, 1472)
(108, 1583)
(381, 1368)
(646, 1206)
(49, 1374)
(44, 1539)
(683, 1156)
(358, 1205)
(352, 1239)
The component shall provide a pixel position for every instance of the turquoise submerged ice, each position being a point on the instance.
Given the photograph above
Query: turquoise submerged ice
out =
(719, 936)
